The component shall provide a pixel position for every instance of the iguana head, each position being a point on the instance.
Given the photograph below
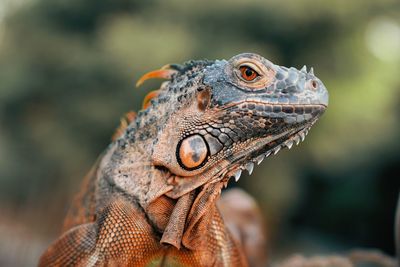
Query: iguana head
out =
(210, 121)
(220, 117)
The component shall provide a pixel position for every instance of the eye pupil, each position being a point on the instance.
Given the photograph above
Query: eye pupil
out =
(249, 72)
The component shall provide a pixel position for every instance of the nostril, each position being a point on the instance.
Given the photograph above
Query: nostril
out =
(314, 85)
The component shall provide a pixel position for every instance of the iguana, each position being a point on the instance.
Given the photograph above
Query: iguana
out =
(151, 198)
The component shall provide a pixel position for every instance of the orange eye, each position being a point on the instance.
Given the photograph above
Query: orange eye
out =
(248, 73)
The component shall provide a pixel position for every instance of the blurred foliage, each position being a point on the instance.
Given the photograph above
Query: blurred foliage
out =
(67, 72)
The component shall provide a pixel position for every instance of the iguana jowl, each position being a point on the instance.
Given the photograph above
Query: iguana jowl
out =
(151, 198)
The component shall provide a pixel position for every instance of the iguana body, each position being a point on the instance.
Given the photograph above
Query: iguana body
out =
(151, 198)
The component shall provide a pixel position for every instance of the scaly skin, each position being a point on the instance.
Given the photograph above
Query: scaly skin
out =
(151, 198)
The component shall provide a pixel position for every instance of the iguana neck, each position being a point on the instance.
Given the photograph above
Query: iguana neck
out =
(130, 171)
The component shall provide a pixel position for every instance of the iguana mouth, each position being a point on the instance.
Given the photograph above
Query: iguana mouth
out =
(255, 150)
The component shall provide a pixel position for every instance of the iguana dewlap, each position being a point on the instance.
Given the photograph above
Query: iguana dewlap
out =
(151, 198)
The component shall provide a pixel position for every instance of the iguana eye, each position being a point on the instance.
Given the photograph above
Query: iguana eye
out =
(247, 73)
(192, 152)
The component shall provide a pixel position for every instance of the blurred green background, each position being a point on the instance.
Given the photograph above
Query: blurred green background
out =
(67, 74)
